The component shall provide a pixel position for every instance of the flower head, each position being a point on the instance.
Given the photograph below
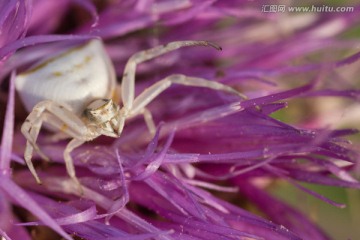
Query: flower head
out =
(208, 144)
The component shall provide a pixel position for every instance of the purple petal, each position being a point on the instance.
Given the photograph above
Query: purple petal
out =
(14, 20)
(282, 213)
(88, 5)
(8, 130)
(25, 201)
(32, 40)
(40, 22)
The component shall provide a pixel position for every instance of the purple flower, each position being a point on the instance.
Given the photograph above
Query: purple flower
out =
(214, 157)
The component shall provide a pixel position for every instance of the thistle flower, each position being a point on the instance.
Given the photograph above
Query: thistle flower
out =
(212, 155)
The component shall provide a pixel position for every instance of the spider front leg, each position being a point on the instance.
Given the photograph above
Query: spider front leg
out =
(128, 80)
(59, 118)
(74, 143)
(153, 91)
(149, 121)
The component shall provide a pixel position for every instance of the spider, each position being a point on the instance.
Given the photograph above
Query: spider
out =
(74, 94)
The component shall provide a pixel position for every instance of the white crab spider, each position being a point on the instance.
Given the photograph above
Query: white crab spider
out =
(73, 94)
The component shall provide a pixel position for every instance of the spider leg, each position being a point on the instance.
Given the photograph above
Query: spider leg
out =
(30, 129)
(58, 136)
(153, 91)
(128, 80)
(58, 117)
(149, 120)
(74, 143)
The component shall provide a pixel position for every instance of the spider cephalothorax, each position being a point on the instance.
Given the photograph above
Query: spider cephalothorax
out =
(103, 113)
